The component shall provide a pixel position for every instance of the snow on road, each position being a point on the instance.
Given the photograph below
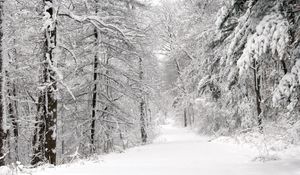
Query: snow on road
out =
(178, 151)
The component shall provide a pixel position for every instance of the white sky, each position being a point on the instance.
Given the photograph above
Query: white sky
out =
(157, 2)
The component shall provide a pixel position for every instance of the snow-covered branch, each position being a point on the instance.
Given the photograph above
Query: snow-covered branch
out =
(95, 20)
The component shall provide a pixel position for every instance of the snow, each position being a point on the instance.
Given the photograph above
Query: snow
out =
(5, 170)
(271, 33)
(287, 86)
(177, 151)
(222, 14)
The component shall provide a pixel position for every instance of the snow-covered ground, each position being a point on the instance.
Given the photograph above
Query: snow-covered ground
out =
(177, 151)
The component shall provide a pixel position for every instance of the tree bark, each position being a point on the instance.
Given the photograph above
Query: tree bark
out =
(13, 116)
(144, 135)
(94, 102)
(45, 135)
(185, 120)
(2, 131)
(50, 106)
(284, 67)
(257, 95)
(95, 88)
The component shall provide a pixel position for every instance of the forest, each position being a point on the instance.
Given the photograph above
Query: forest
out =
(80, 78)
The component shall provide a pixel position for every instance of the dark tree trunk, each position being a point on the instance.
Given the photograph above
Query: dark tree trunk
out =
(45, 134)
(50, 102)
(2, 132)
(143, 122)
(144, 135)
(95, 78)
(185, 120)
(94, 101)
(13, 116)
(257, 95)
(284, 67)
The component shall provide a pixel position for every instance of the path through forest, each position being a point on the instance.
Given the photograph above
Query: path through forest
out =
(178, 151)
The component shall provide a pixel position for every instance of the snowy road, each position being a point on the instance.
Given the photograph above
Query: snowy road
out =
(178, 152)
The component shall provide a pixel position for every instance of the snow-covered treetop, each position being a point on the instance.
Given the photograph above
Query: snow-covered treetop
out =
(271, 35)
(287, 84)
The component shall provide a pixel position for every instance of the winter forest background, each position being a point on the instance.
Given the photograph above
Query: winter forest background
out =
(86, 77)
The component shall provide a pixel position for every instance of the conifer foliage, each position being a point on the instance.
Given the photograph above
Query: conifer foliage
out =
(240, 71)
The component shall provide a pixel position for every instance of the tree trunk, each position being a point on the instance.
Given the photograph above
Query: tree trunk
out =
(185, 120)
(191, 114)
(13, 116)
(144, 135)
(109, 142)
(257, 95)
(95, 78)
(143, 122)
(38, 138)
(94, 101)
(50, 106)
(2, 131)
(45, 135)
